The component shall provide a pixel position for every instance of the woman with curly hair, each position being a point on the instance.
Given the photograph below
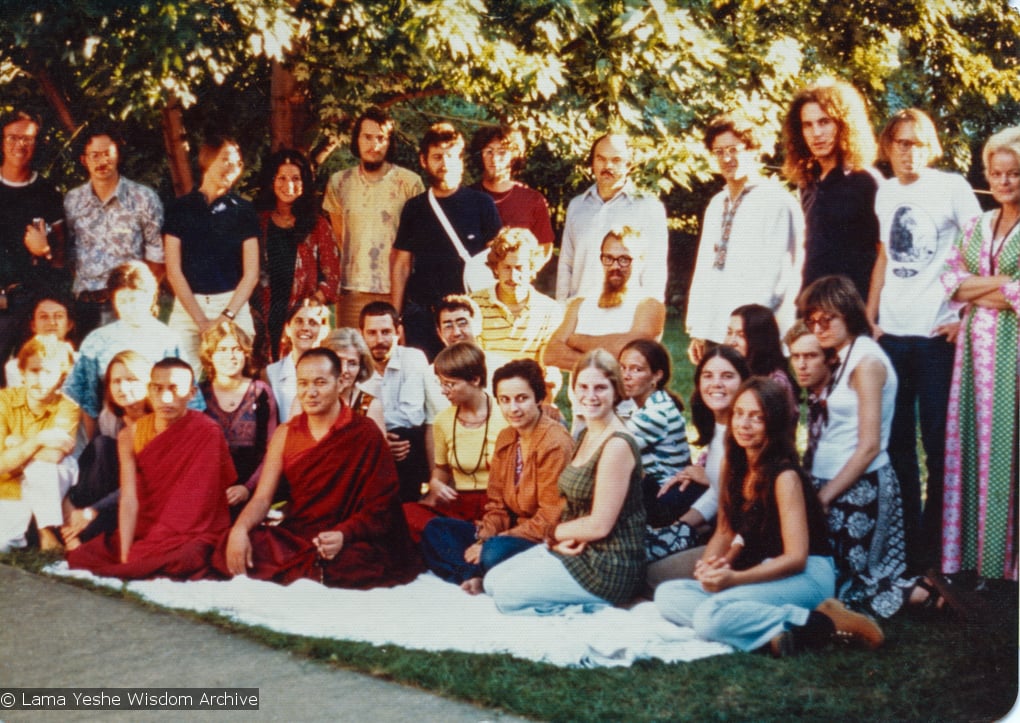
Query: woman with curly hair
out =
(829, 147)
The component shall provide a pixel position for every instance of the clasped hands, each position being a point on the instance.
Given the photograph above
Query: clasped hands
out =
(714, 573)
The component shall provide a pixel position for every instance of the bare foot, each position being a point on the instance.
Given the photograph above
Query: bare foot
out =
(472, 586)
(48, 541)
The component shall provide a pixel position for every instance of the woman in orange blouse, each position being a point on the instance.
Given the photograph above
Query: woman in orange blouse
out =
(523, 503)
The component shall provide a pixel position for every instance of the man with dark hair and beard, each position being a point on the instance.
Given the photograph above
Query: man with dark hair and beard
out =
(440, 231)
(617, 316)
(364, 204)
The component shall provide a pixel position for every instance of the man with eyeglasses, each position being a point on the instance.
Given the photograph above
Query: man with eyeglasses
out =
(921, 211)
(31, 230)
(611, 202)
(615, 317)
(458, 319)
(751, 237)
(111, 220)
(500, 153)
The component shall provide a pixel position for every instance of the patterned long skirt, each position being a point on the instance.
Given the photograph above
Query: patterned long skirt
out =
(866, 534)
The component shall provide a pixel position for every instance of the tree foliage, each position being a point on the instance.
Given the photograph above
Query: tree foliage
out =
(565, 70)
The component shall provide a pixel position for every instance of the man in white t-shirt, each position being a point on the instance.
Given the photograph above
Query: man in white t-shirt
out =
(615, 317)
(921, 211)
(364, 204)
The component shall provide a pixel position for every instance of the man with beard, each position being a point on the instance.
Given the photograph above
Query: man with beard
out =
(111, 220)
(617, 316)
(405, 385)
(344, 526)
(440, 231)
(364, 204)
(611, 202)
(31, 230)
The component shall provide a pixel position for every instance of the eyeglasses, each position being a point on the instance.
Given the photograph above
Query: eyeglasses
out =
(15, 140)
(96, 156)
(820, 321)
(997, 176)
(906, 145)
(448, 384)
(728, 152)
(623, 262)
(460, 324)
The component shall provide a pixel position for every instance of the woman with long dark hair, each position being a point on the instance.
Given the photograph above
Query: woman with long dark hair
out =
(766, 578)
(753, 332)
(299, 256)
(659, 428)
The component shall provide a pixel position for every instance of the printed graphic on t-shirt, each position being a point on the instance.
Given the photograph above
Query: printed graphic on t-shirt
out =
(913, 241)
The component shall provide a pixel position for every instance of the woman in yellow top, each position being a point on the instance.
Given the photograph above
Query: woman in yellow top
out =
(464, 440)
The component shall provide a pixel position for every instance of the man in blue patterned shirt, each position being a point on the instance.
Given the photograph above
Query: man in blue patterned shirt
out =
(112, 220)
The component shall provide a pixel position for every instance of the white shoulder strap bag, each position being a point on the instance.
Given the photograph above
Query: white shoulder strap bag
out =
(476, 274)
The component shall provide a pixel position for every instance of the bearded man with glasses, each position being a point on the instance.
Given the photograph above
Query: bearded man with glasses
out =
(617, 316)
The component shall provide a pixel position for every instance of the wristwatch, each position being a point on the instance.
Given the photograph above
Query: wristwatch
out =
(89, 514)
(229, 314)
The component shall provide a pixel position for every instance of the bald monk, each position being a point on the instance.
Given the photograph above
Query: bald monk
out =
(175, 467)
(343, 524)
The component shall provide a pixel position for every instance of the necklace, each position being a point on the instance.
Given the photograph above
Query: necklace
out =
(482, 456)
(840, 371)
(994, 253)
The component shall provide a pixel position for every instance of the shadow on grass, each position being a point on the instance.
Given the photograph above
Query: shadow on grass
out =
(931, 669)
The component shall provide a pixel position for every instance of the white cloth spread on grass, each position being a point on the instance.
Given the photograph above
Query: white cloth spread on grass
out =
(428, 614)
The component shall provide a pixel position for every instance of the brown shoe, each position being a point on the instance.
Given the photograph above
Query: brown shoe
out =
(852, 626)
(784, 645)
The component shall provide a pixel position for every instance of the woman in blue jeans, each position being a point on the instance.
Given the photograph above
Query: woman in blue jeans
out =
(523, 502)
(766, 579)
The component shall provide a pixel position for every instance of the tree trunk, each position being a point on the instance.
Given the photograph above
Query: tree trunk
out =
(53, 95)
(176, 142)
(289, 115)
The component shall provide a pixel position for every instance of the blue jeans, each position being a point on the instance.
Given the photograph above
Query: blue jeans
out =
(924, 367)
(748, 616)
(444, 540)
(537, 582)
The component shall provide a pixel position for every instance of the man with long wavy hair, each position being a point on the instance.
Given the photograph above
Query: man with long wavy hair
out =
(829, 148)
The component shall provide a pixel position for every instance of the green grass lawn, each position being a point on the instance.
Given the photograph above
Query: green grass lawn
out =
(929, 670)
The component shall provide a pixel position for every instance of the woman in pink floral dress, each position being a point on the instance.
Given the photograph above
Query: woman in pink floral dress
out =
(982, 277)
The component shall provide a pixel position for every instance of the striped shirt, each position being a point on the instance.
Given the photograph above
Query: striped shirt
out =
(661, 433)
(523, 336)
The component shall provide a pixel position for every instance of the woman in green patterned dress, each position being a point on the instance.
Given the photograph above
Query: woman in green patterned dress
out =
(595, 556)
(982, 277)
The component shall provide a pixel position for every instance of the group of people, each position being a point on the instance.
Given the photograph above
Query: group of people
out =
(357, 390)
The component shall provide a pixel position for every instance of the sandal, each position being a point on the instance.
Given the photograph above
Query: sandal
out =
(943, 596)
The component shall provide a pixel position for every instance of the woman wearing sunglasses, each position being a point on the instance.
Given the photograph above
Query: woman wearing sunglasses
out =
(851, 471)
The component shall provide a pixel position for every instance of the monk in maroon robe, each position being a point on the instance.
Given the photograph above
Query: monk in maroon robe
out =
(175, 467)
(343, 523)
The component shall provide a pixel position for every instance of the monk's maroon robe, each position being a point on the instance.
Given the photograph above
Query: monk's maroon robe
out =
(346, 481)
(183, 474)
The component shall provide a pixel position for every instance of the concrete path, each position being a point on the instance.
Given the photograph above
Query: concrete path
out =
(54, 634)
